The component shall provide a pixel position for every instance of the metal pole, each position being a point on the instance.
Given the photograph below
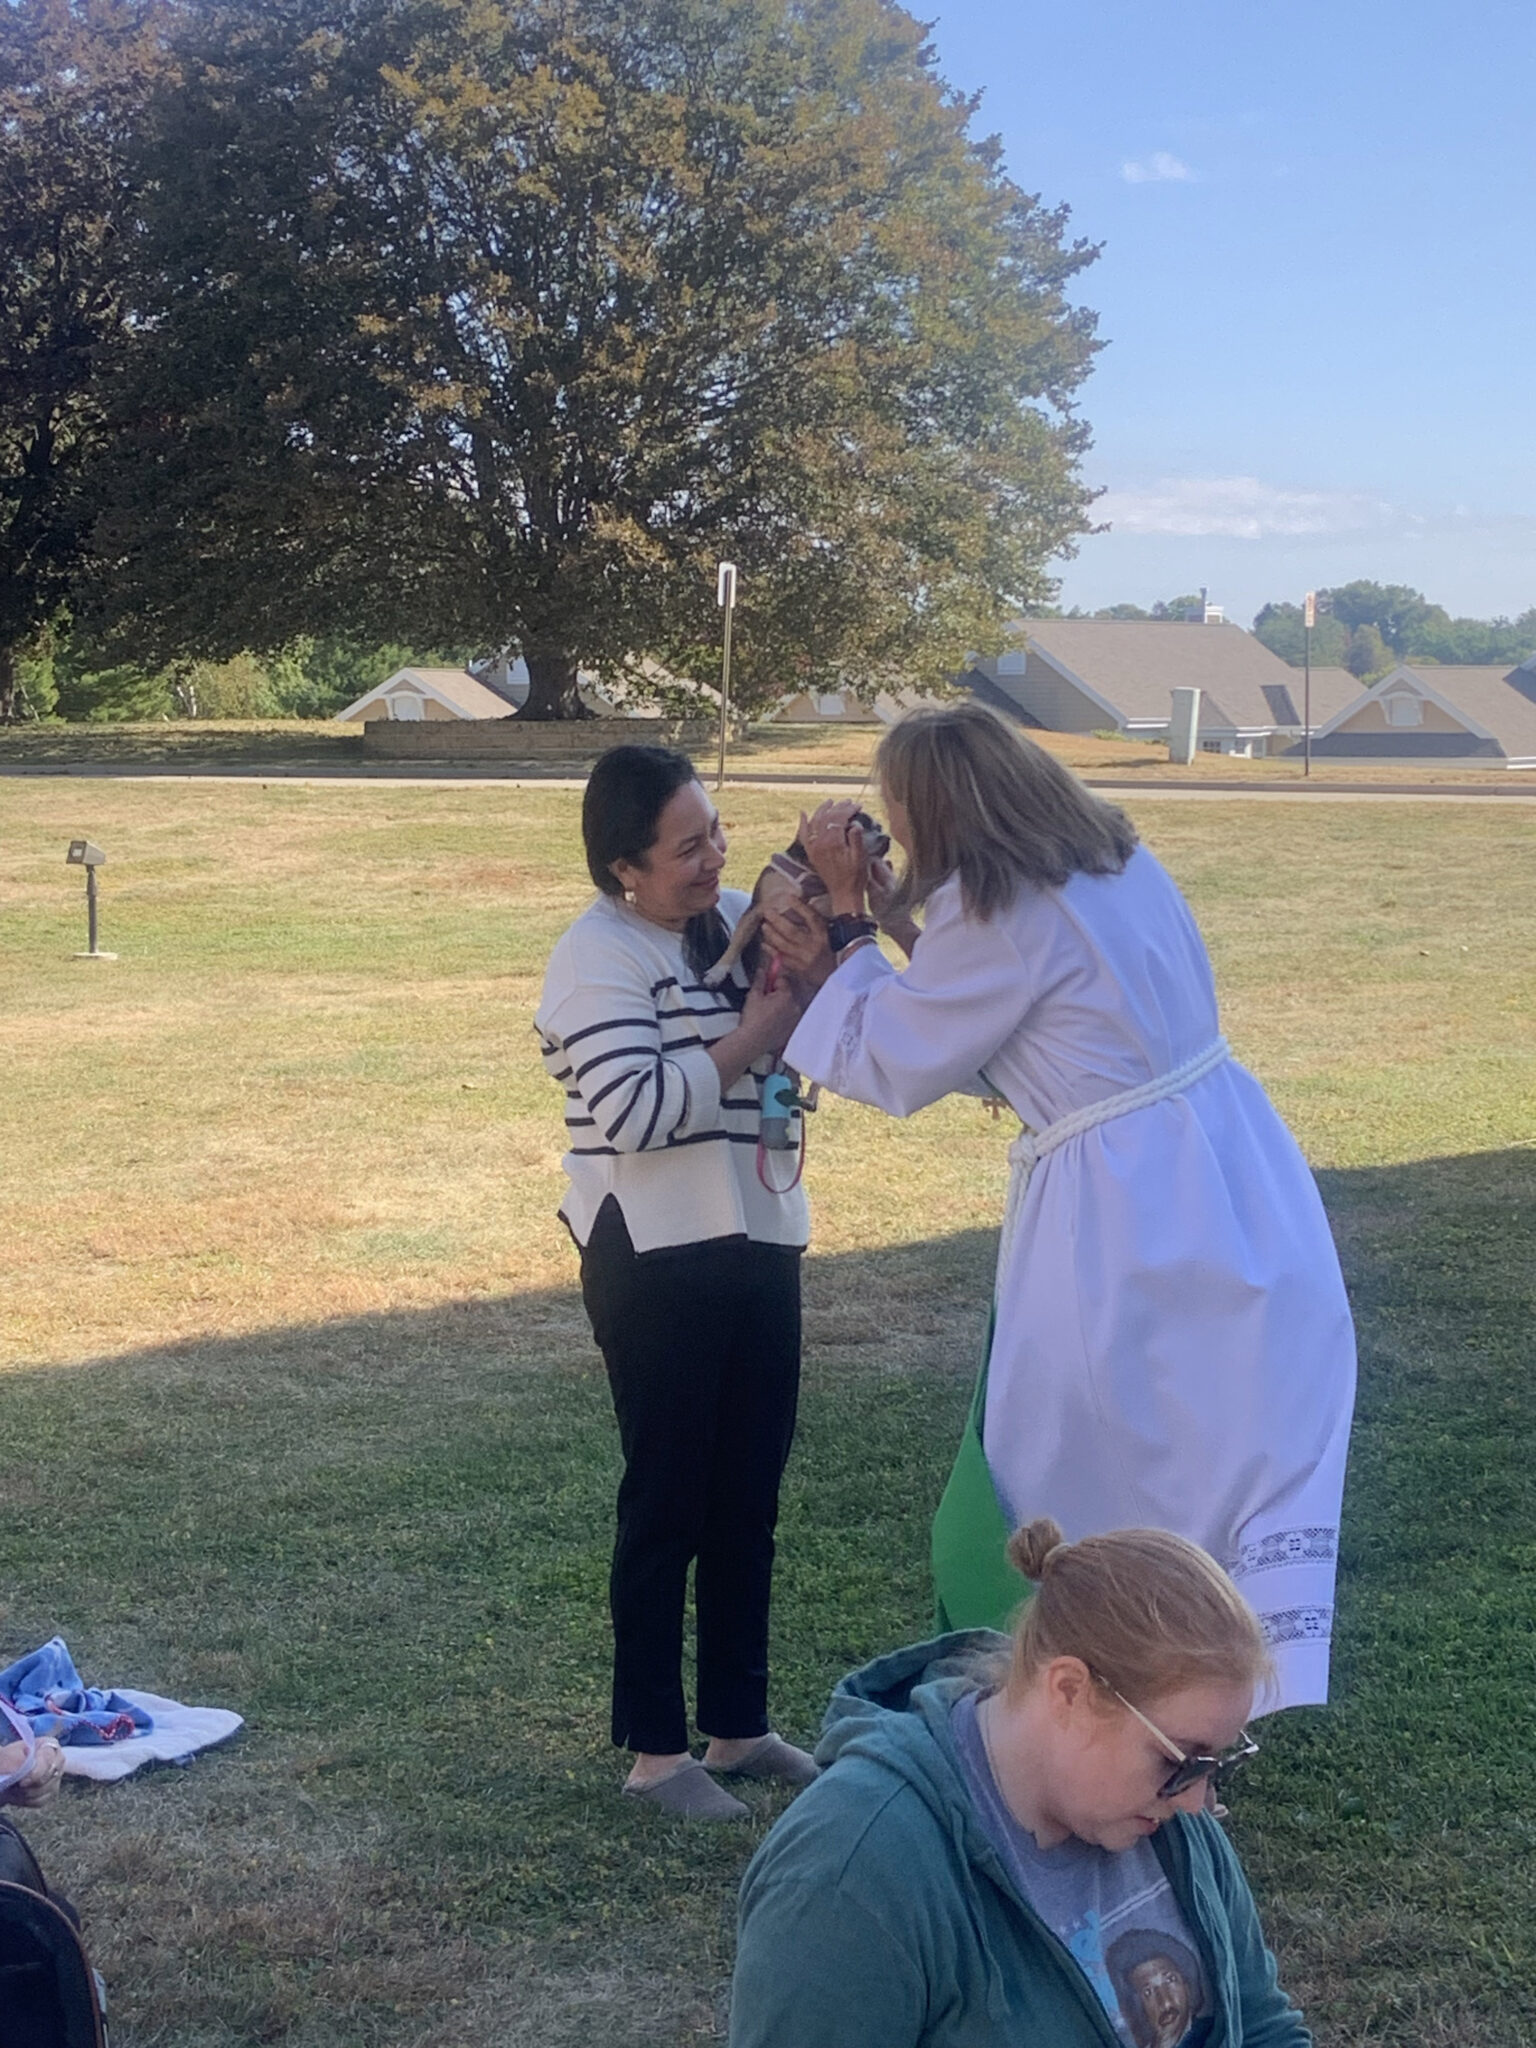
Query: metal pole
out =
(725, 595)
(90, 905)
(1306, 710)
(725, 687)
(1308, 616)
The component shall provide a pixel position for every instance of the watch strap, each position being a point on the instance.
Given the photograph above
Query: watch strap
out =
(843, 931)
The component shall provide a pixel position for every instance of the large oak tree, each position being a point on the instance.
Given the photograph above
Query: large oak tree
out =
(73, 79)
(502, 320)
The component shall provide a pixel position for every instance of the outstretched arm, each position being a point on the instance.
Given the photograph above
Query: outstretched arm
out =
(900, 1041)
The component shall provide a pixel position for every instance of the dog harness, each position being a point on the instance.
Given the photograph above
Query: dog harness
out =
(797, 872)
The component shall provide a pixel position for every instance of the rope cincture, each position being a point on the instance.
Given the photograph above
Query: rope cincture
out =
(1029, 1147)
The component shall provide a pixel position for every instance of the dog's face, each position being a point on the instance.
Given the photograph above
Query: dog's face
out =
(789, 878)
(877, 841)
(877, 844)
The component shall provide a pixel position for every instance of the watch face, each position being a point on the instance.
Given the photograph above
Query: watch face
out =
(842, 931)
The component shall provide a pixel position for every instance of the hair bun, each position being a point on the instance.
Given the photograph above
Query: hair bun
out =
(1031, 1548)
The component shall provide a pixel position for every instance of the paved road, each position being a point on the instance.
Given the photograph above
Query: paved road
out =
(1203, 792)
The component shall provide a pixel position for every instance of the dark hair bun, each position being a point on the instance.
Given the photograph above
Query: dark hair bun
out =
(1031, 1548)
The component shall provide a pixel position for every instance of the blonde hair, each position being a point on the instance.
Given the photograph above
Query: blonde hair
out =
(1146, 1611)
(989, 805)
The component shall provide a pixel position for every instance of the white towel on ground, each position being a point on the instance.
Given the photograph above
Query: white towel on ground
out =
(177, 1734)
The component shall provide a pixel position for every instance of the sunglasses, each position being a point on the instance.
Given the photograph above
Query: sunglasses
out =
(1188, 1770)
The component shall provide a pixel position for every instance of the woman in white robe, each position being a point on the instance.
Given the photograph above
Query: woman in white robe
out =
(1172, 1346)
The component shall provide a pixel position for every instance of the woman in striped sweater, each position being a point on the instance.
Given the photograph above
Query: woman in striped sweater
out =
(690, 1269)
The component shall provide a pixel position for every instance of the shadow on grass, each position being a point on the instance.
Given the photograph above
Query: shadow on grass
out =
(385, 1541)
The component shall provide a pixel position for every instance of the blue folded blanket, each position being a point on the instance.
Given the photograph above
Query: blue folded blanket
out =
(44, 1687)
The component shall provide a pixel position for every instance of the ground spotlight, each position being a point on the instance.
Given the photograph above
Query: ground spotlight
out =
(82, 854)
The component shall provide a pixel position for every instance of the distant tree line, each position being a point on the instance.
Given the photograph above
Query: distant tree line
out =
(1365, 627)
(1369, 628)
(1179, 609)
(329, 331)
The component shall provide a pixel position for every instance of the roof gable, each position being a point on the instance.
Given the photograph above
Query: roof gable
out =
(1132, 667)
(458, 690)
(1486, 701)
(455, 689)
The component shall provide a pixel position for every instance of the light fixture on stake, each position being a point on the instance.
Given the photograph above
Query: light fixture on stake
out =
(82, 854)
(725, 597)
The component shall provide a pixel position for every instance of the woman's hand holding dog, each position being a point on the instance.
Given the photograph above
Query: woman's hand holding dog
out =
(799, 938)
(834, 846)
(768, 1017)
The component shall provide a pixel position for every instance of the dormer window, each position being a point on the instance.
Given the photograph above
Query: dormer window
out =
(1404, 708)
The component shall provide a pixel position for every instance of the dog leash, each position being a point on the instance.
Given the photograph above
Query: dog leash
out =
(779, 1088)
(781, 1101)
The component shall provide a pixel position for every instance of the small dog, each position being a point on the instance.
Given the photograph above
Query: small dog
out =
(788, 878)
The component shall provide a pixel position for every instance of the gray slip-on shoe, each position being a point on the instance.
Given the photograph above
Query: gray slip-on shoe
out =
(773, 1757)
(691, 1793)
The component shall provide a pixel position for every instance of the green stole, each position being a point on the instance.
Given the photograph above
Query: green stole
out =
(974, 1584)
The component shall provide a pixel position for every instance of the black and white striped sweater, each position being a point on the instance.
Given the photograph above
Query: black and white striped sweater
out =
(623, 1026)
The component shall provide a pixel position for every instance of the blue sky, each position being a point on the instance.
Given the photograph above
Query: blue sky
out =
(1318, 282)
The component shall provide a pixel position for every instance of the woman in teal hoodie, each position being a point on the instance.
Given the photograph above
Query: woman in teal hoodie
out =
(1026, 1853)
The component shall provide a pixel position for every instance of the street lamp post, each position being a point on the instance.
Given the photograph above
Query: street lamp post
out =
(725, 597)
(1308, 621)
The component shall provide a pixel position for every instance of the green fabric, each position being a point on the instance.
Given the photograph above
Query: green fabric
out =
(974, 1584)
(878, 1915)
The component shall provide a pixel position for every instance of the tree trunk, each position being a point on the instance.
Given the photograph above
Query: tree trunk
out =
(552, 691)
(183, 690)
(10, 687)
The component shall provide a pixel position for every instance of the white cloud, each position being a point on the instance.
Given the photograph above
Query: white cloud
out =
(1160, 168)
(1244, 508)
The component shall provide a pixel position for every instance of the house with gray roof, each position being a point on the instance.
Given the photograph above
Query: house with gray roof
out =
(421, 693)
(1423, 711)
(490, 689)
(1119, 675)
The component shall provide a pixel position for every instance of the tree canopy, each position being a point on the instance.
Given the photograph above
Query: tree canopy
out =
(1369, 627)
(499, 321)
(1166, 610)
(74, 76)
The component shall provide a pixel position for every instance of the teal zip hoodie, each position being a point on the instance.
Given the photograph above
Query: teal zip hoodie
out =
(878, 1915)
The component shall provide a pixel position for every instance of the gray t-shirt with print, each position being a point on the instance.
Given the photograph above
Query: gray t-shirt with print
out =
(1113, 1911)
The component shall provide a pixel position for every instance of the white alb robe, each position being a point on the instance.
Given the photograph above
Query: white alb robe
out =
(1173, 1347)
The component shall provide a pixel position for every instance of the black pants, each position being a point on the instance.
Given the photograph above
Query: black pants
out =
(702, 1346)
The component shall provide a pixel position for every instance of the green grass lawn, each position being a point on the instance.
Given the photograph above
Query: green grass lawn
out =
(301, 1414)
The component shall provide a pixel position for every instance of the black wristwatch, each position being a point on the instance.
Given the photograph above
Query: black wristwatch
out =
(842, 931)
